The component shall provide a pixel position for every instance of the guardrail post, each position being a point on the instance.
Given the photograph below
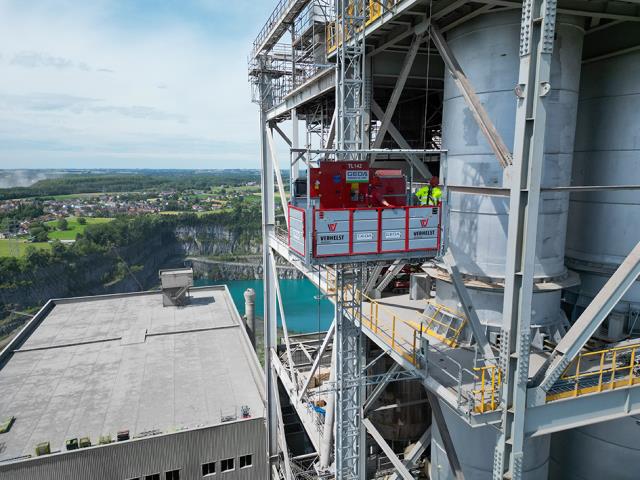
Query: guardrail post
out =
(482, 390)
(415, 332)
(493, 387)
(577, 376)
(393, 333)
(613, 370)
(601, 371)
(632, 361)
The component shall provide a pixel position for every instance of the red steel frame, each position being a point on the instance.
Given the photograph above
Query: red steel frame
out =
(379, 249)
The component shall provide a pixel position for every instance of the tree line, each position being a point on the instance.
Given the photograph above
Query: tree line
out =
(106, 183)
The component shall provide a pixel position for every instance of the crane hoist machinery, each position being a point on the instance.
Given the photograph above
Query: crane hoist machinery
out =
(349, 212)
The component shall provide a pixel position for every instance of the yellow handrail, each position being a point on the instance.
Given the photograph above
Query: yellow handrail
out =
(389, 337)
(486, 395)
(451, 333)
(593, 372)
(374, 10)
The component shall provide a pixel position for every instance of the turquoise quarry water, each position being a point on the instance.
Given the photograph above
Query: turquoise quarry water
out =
(303, 311)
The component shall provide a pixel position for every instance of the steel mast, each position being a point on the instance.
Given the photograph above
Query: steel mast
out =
(350, 108)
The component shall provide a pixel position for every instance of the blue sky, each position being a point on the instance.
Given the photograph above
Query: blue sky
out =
(128, 83)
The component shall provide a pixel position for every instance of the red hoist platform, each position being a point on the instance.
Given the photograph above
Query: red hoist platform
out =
(348, 212)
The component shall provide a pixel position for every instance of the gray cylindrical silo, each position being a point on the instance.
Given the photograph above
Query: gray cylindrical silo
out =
(488, 50)
(603, 227)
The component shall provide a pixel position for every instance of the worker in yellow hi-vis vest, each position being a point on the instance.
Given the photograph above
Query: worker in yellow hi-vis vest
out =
(430, 195)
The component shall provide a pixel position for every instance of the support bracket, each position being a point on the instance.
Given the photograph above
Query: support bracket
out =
(473, 102)
(467, 305)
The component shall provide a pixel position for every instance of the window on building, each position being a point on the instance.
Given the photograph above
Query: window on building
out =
(245, 461)
(172, 475)
(226, 465)
(208, 468)
(152, 476)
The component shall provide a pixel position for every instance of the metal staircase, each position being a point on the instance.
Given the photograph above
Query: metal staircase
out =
(390, 274)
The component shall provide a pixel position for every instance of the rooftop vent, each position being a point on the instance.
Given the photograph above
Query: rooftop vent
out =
(175, 286)
(43, 448)
(5, 424)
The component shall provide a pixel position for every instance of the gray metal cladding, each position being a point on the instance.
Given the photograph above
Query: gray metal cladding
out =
(423, 228)
(331, 221)
(185, 451)
(297, 230)
(487, 49)
(393, 229)
(332, 232)
(365, 231)
(477, 448)
(371, 231)
(603, 227)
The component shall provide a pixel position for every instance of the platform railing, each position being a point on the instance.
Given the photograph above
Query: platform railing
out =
(389, 335)
(601, 370)
(373, 10)
(273, 19)
(486, 381)
(486, 395)
(437, 326)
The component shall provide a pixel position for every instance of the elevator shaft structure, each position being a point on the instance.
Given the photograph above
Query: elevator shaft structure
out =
(349, 362)
(350, 64)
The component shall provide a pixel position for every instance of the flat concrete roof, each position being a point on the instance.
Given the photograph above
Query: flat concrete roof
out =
(95, 365)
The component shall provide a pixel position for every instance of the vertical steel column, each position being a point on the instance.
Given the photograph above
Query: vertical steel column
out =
(268, 223)
(295, 143)
(536, 48)
(350, 78)
(348, 345)
(350, 117)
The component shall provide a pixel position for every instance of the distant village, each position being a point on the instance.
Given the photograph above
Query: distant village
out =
(112, 204)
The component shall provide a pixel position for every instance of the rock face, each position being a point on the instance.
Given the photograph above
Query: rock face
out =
(215, 251)
(95, 274)
(219, 252)
(229, 270)
(211, 240)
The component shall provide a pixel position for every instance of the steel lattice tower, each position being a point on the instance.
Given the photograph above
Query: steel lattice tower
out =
(350, 88)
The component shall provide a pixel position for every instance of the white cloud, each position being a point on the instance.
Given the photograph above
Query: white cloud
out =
(74, 82)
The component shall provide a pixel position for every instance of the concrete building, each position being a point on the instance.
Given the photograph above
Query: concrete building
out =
(182, 382)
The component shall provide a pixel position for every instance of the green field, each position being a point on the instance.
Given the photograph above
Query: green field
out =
(72, 196)
(9, 247)
(239, 189)
(199, 214)
(74, 228)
